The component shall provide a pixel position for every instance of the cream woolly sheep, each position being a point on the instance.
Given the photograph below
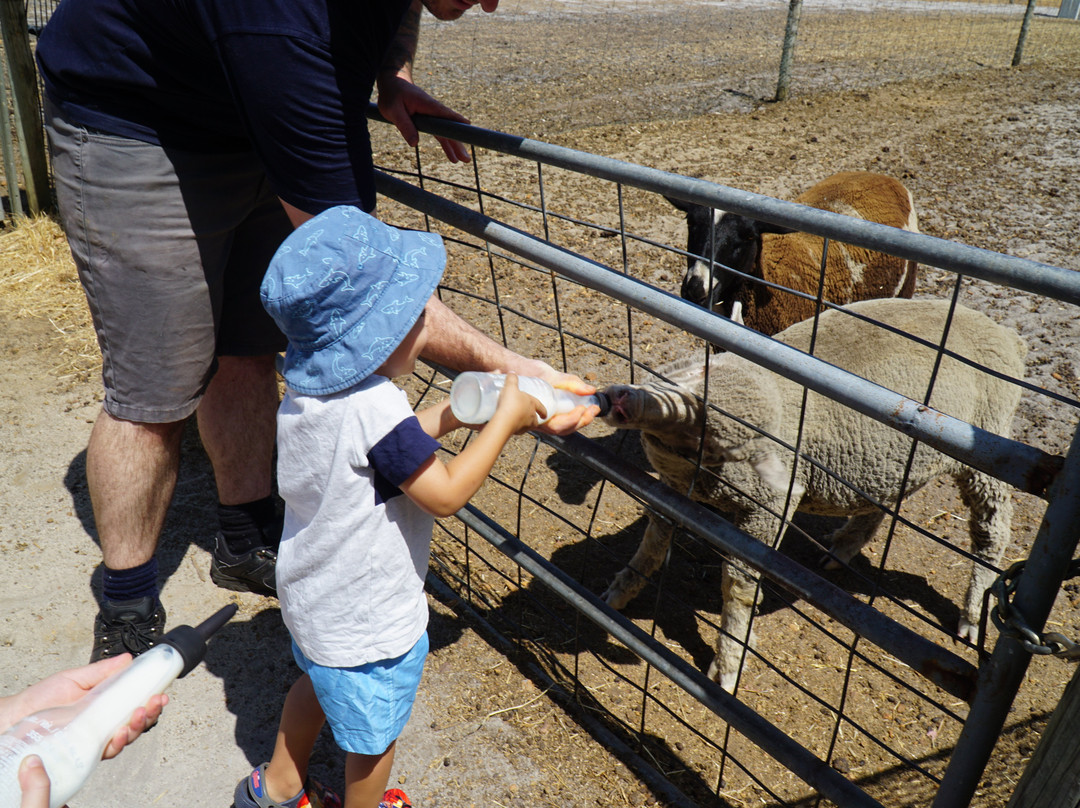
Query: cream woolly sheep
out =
(748, 475)
(793, 259)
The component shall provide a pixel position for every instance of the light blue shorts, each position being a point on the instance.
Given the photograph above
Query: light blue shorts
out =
(368, 706)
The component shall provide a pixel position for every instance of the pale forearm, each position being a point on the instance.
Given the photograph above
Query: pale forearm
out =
(458, 345)
(438, 419)
(444, 489)
(441, 489)
(467, 471)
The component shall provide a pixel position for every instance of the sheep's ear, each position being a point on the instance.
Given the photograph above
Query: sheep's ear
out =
(775, 475)
(685, 207)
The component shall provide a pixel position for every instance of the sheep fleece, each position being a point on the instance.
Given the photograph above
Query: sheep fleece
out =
(870, 455)
(854, 273)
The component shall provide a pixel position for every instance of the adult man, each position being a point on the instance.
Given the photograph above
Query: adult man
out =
(188, 138)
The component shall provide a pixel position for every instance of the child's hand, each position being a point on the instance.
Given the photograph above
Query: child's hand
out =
(518, 411)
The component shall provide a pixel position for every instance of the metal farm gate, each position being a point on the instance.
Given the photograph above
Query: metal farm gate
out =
(554, 273)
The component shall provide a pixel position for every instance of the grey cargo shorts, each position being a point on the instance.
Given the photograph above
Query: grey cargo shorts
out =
(171, 248)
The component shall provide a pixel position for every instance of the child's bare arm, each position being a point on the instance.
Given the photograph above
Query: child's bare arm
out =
(438, 419)
(458, 344)
(443, 489)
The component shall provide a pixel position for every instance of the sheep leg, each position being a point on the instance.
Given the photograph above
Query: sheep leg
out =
(736, 627)
(740, 590)
(990, 526)
(650, 554)
(848, 540)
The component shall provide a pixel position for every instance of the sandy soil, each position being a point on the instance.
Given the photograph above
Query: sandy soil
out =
(993, 160)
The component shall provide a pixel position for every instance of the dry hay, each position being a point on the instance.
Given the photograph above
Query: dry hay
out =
(40, 282)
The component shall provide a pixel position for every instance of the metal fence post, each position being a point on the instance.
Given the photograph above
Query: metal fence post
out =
(24, 92)
(791, 33)
(1000, 678)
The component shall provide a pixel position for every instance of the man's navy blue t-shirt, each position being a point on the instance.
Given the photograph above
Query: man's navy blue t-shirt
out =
(287, 79)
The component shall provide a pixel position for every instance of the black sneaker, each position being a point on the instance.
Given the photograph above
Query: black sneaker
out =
(251, 571)
(127, 626)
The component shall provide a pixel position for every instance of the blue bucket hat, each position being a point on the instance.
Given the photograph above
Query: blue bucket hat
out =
(345, 289)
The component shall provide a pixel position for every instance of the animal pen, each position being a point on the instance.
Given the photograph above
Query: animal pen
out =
(898, 712)
(530, 557)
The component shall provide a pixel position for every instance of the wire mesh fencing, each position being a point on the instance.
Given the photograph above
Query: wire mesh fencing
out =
(639, 60)
(635, 60)
(857, 689)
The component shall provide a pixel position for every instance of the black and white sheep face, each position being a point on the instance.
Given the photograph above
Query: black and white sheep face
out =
(717, 242)
(720, 245)
(727, 242)
(735, 271)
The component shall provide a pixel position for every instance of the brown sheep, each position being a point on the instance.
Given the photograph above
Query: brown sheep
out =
(793, 259)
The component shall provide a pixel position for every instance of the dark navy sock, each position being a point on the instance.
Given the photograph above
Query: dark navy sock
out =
(250, 525)
(136, 582)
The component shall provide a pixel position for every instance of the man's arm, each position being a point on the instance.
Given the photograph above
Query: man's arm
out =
(458, 345)
(399, 56)
(461, 346)
(400, 99)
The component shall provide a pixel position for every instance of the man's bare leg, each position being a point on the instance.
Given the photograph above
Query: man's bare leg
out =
(131, 470)
(237, 422)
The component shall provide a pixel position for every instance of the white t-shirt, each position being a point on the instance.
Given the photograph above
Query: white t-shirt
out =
(354, 551)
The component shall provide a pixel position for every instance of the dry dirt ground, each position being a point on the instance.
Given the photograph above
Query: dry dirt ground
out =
(992, 159)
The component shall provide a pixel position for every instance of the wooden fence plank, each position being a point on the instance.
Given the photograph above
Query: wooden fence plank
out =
(24, 92)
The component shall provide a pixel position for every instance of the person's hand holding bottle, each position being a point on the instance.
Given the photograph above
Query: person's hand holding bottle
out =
(521, 410)
(57, 690)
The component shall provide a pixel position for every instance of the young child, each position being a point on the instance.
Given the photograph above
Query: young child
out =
(362, 484)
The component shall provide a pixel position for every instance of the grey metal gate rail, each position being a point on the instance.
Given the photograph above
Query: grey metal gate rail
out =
(799, 760)
(1019, 273)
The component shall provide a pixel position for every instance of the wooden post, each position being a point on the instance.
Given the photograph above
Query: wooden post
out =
(11, 168)
(791, 33)
(24, 92)
(1052, 777)
(1025, 26)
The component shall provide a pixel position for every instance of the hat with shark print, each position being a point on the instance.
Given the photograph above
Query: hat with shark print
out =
(345, 289)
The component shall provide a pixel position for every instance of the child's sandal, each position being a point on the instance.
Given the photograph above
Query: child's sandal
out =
(250, 793)
(320, 796)
(394, 798)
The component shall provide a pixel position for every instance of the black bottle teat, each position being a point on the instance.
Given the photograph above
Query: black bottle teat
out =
(191, 642)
